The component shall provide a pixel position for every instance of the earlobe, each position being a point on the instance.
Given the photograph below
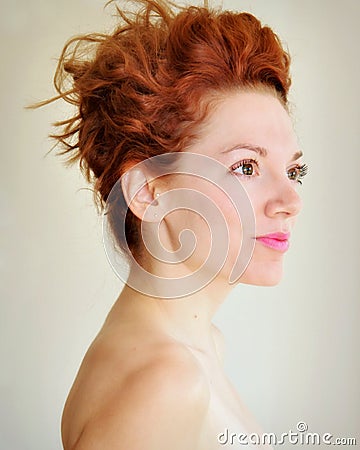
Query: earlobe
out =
(139, 194)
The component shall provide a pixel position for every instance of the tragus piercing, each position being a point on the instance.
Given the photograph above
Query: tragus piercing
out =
(156, 202)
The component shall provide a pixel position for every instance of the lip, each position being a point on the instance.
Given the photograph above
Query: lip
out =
(276, 241)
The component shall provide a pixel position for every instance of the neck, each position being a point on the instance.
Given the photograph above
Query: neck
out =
(187, 319)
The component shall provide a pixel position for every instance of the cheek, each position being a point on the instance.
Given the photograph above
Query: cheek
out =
(215, 222)
(242, 231)
(234, 220)
(188, 228)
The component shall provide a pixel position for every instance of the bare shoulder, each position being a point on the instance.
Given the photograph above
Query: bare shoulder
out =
(156, 401)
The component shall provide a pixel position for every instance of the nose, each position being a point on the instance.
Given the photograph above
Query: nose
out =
(284, 199)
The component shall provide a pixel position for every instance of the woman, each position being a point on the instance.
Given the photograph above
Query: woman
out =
(201, 95)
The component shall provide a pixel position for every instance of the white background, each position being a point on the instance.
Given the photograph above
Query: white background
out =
(292, 350)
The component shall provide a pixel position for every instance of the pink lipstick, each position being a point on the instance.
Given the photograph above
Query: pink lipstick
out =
(276, 241)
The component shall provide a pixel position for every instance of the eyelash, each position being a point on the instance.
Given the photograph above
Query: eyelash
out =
(302, 169)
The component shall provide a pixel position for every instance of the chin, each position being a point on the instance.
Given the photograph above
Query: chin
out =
(262, 282)
(262, 276)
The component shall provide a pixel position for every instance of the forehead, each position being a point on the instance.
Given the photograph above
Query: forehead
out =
(247, 117)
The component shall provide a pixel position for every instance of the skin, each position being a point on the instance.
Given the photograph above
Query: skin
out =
(153, 378)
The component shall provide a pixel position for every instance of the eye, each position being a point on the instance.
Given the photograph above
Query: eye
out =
(246, 166)
(298, 172)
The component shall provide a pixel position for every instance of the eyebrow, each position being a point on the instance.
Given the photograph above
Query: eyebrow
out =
(260, 150)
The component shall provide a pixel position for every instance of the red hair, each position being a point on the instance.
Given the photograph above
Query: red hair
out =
(139, 91)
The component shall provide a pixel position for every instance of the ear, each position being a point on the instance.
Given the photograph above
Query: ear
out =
(138, 190)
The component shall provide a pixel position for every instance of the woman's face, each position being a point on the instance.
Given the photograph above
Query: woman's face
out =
(251, 134)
